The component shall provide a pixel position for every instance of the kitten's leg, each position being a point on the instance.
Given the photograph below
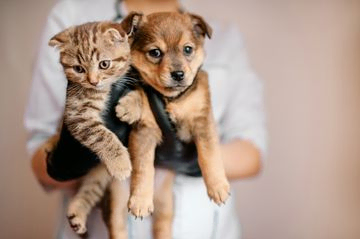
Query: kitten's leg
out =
(104, 143)
(114, 208)
(210, 161)
(129, 107)
(89, 194)
(164, 206)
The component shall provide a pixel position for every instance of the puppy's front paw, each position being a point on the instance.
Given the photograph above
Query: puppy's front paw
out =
(219, 191)
(141, 205)
(128, 108)
(120, 168)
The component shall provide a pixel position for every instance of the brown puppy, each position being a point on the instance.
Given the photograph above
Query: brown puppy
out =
(168, 52)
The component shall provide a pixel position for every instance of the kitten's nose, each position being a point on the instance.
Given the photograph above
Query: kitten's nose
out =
(92, 80)
(177, 75)
(94, 83)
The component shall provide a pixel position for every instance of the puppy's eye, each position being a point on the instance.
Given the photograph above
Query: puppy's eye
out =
(188, 50)
(156, 53)
(104, 64)
(79, 69)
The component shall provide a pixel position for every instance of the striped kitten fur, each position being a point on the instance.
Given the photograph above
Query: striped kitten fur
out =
(94, 56)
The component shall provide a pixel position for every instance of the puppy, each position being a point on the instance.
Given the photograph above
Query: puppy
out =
(167, 52)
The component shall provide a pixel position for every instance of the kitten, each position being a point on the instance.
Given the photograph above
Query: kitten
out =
(94, 56)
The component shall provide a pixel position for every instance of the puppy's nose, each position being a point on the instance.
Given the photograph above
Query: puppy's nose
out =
(177, 75)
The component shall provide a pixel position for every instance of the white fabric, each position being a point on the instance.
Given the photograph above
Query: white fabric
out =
(237, 103)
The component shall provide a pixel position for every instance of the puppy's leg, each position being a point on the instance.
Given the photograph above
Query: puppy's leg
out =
(129, 108)
(114, 209)
(164, 206)
(210, 160)
(89, 194)
(142, 144)
(143, 139)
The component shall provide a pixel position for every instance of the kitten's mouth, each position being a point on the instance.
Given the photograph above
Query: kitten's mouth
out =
(100, 86)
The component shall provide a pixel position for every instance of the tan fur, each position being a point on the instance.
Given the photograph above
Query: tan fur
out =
(89, 194)
(191, 113)
(84, 50)
(114, 208)
(132, 111)
(87, 47)
(164, 208)
(188, 105)
(143, 139)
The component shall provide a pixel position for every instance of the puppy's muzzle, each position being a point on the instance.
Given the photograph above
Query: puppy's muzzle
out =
(177, 75)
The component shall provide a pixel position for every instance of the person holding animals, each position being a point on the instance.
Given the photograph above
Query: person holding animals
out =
(237, 108)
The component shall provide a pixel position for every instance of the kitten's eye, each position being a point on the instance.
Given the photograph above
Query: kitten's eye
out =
(79, 69)
(156, 53)
(104, 64)
(188, 50)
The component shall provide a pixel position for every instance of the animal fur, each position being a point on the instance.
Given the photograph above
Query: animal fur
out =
(160, 53)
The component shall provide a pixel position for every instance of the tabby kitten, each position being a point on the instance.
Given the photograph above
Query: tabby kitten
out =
(94, 55)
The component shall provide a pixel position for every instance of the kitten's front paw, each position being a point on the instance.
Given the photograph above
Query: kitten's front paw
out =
(77, 219)
(219, 191)
(120, 168)
(128, 109)
(141, 205)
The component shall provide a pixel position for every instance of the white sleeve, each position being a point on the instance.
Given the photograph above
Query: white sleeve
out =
(47, 94)
(244, 116)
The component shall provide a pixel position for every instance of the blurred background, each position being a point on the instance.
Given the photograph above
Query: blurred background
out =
(307, 53)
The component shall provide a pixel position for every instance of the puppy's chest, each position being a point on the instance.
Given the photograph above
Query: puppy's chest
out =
(183, 115)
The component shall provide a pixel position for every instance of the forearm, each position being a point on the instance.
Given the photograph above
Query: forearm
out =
(38, 163)
(241, 159)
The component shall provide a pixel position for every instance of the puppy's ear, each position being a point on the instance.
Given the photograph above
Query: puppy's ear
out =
(132, 22)
(60, 39)
(201, 27)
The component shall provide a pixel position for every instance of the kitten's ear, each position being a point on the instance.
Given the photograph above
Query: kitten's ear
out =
(132, 22)
(114, 32)
(201, 27)
(59, 39)
(119, 32)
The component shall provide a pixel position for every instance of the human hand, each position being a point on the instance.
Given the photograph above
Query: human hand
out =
(39, 167)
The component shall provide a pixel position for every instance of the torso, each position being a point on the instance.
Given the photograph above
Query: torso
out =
(190, 106)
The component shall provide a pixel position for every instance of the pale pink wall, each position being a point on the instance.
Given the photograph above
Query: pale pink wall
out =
(307, 52)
